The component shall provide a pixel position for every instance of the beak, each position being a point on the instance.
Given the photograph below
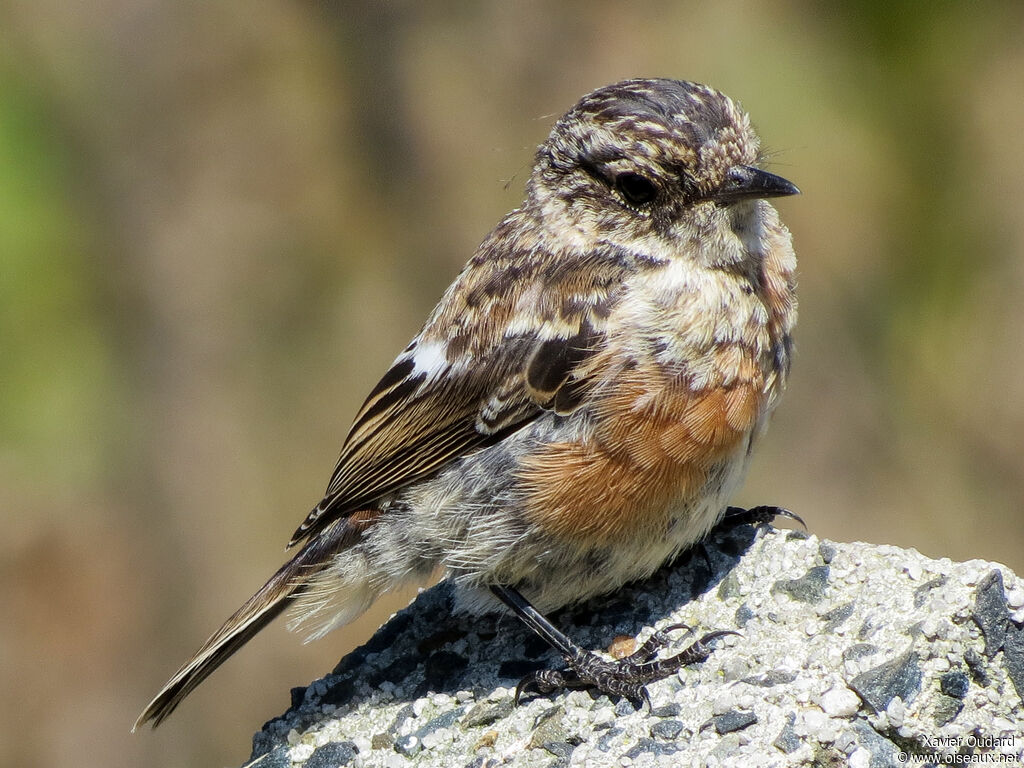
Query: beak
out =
(744, 182)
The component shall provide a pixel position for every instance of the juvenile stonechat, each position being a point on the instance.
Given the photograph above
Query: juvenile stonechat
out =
(581, 403)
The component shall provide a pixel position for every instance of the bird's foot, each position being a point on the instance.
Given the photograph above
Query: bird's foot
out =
(627, 677)
(757, 516)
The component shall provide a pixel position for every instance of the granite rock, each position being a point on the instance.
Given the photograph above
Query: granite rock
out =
(856, 653)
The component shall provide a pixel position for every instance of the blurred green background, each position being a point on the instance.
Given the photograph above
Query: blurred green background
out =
(219, 222)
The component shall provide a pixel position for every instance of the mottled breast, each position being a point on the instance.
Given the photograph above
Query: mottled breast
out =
(694, 363)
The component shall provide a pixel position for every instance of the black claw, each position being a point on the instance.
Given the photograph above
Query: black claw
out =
(720, 633)
(655, 643)
(642, 698)
(543, 681)
(704, 644)
(524, 685)
(758, 516)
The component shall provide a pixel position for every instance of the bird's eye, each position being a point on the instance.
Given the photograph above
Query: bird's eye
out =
(637, 190)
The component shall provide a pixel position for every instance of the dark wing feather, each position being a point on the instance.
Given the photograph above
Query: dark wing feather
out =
(416, 421)
(397, 440)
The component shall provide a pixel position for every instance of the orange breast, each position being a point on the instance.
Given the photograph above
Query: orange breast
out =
(653, 443)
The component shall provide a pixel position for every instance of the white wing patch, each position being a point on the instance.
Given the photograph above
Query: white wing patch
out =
(430, 358)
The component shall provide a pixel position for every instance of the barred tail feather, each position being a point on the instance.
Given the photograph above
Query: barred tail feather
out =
(258, 611)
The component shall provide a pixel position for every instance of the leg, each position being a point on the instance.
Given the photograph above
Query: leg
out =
(623, 677)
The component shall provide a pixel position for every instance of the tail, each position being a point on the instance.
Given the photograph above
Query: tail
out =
(258, 611)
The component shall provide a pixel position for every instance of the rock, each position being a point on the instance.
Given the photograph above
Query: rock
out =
(836, 616)
(1013, 657)
(954, 684)
(991, 613)
(839, 702)
(735, 720)
(925, 644)
(900, 678)
(810, 588)
(332, 755)
(788, 741)
(667, 730)
(946, 709)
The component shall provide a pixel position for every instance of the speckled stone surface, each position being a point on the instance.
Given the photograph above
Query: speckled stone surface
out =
(849, 654)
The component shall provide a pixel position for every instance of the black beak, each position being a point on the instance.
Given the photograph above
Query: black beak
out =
(744, 182)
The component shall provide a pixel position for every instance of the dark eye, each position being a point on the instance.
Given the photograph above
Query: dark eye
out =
(636, 189)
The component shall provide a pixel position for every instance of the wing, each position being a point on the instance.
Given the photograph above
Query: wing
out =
(483, 366)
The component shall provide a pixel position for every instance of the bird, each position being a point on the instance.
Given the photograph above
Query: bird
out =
(581, 403)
